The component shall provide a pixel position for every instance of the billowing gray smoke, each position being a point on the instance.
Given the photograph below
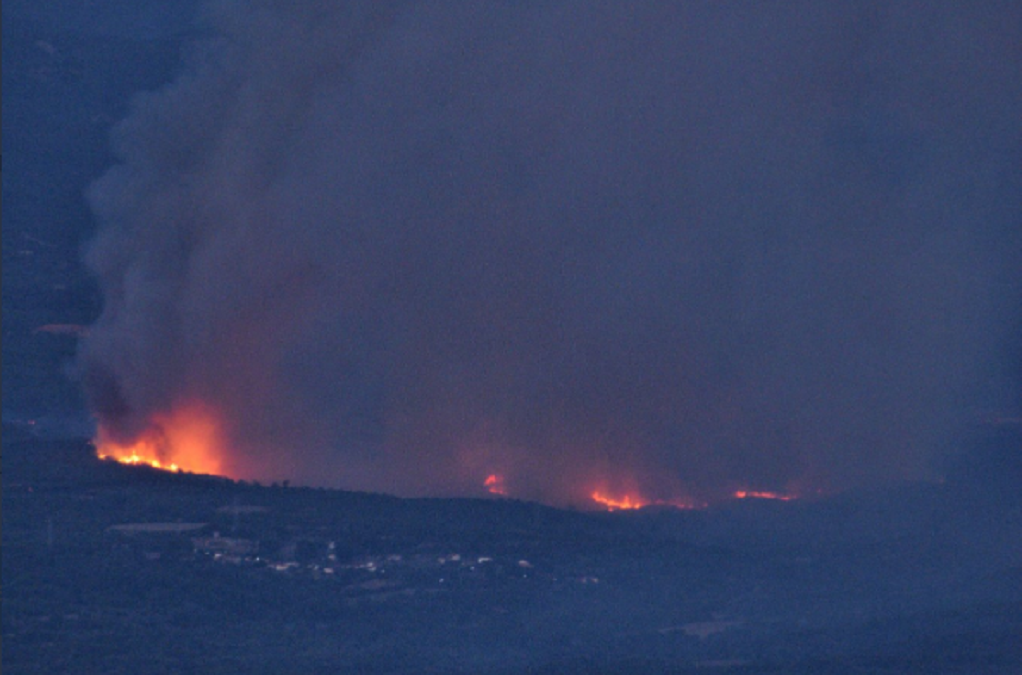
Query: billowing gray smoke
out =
(679, 247)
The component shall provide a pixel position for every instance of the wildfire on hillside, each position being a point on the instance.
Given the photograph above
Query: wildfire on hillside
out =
(191, 439)
(187, 439)
(624, 503)
(628, 502)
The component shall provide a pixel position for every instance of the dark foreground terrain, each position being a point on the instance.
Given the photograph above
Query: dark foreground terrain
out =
(117, 569)
(113, 569)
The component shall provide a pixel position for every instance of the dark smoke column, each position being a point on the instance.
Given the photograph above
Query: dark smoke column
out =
(669, 251)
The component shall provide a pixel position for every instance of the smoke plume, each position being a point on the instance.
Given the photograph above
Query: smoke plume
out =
(678, 248)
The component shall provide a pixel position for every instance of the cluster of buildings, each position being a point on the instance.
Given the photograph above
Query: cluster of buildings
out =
(321, 558)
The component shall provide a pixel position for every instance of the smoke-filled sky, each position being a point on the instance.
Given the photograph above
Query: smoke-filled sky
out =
(678, 248)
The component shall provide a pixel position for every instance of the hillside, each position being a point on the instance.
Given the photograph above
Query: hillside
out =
(125, 569)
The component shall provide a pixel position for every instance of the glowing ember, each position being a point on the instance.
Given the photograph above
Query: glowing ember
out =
(754, 494)
(188, 439)
(495, 484)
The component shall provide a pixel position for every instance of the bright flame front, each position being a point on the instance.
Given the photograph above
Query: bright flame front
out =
(629, 502)
(186, 439)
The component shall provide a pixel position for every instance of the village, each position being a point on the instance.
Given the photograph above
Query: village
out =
(381, 575)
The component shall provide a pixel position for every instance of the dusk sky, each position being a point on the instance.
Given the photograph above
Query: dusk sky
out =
(675, 249)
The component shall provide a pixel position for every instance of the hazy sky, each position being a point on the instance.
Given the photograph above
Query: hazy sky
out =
(674, 247)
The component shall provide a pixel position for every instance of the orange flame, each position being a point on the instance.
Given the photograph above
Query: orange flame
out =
(495, 484)
(631, 502)
(613, 504)
(187, 439)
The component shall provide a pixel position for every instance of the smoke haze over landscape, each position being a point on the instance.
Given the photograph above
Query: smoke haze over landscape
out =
(675, 248)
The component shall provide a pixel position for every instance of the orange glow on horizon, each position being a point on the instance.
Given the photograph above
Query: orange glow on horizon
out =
(191, 439)
(629, 502)
(625, 503)
(495, 485)
(187, 439)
